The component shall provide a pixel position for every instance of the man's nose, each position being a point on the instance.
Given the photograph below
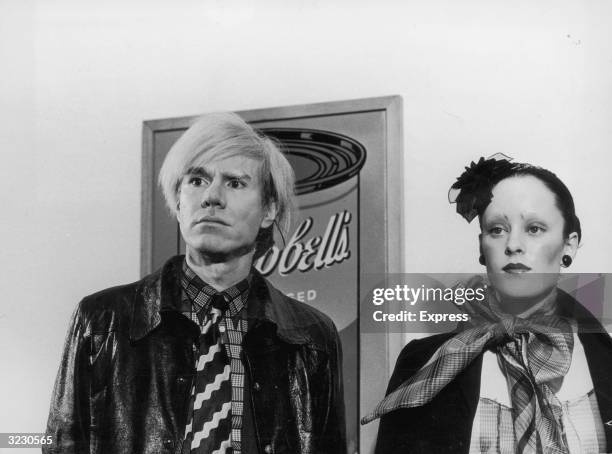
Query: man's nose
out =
(515, 245)
(214, 195)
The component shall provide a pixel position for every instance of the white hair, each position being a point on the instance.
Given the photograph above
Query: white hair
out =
(223, 135)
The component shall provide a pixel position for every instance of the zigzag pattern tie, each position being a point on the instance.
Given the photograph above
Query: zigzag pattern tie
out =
(209, 431)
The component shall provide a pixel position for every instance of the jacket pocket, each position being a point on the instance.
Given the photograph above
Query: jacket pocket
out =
(97, 408)
(100, 360)
(100, 352)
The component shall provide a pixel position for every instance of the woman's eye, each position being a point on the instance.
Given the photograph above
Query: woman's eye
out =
(496, 230)
(535, 229)
(235, 184)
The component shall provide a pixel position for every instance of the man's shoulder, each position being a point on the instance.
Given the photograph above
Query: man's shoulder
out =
(110, 298)
(307, 311)
(112, 308)
(300, 320)
(121, 298)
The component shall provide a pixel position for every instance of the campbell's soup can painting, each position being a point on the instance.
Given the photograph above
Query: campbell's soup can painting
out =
(318, 262)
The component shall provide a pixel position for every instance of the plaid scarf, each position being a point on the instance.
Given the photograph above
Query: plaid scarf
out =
(532, 353)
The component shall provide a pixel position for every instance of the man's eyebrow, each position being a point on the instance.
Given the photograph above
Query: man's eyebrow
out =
(227, 175)
(198, 171)
(230, 175)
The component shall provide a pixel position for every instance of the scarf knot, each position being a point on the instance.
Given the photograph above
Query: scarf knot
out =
(503, 331)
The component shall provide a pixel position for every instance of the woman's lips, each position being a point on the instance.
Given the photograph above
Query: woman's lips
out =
(516, 268)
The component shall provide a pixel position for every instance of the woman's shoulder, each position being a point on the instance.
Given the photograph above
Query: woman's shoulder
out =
(414, 355)
(588, 320)
(425, 346)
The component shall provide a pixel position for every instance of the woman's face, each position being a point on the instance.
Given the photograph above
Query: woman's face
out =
(522, 239)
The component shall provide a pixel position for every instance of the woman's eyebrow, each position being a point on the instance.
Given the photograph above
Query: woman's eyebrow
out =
(499, 217)
(531, 215)
(496, 217)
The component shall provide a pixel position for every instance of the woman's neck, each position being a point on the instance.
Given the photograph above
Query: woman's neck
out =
(523, 307)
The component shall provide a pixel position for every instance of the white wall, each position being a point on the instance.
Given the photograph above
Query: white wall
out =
(530, 79)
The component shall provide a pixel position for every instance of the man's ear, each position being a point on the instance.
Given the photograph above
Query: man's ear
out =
(177, 212)
(269, 215)
(571, 245)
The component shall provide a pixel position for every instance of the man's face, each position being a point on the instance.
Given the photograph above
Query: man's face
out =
(221, 209)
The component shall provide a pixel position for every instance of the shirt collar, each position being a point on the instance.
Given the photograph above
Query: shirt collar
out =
(160, 292)
(200, 293)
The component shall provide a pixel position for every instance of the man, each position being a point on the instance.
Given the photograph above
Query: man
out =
(205, 355)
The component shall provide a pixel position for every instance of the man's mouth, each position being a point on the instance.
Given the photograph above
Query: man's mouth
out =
(516, 268)
(211, 220)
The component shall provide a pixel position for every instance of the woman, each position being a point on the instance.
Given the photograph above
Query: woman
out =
(532, 369)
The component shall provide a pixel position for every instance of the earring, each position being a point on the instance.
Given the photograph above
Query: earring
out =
(566, 260)
(481, 260)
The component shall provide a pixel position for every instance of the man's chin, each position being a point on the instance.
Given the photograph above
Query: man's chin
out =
(218, 254)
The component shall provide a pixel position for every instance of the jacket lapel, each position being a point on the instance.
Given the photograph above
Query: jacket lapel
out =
(158, 293)
(466, 392)
(442, 425)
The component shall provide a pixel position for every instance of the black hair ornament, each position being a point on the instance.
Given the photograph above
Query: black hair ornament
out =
(472, 190)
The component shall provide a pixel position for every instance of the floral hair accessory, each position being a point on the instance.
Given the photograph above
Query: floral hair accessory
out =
(472, 190)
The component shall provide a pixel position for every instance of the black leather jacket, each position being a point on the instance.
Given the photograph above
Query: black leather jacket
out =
(125, 376)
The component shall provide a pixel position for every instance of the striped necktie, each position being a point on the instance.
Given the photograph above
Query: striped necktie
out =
(209, 430)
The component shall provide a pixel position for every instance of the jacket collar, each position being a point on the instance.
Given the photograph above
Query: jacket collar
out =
(267, 306)
(155, 293)
(161, 291)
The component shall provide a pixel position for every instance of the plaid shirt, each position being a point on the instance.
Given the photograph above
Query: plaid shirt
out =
(493, 428)
(195, 301)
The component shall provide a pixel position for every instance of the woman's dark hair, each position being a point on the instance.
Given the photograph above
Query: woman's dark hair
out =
(473, 189)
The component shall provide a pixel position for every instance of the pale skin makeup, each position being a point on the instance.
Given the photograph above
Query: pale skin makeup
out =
(522, 242)
(220, 213)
